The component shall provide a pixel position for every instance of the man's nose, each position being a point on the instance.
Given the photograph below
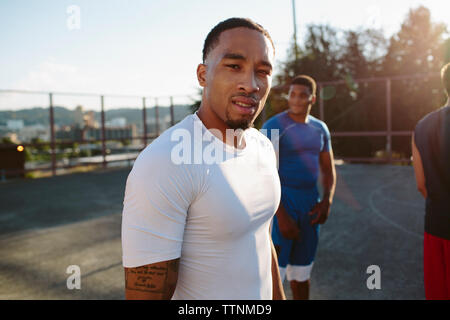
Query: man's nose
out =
(249, 82)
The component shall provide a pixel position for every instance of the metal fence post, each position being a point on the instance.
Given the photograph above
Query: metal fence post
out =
(156, 117)
(103, 131)
(52, 135)
(172, 117)
(144, 115)
(388, 121)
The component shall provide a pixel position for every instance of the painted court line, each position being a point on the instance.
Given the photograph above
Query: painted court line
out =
(386, 219)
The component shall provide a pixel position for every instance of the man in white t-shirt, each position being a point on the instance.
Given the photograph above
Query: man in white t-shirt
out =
(200, 199)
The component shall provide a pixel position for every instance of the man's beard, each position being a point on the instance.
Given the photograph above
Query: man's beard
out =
(238, 124)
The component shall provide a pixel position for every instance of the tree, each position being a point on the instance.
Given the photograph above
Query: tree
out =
(40, 147)
(317, 57)
(418, 48)
(330, 54)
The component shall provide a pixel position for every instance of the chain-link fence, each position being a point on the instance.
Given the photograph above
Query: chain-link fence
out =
(370, 120)
(71, 130)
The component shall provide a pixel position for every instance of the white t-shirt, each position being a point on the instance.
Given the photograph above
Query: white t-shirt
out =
(213, 215)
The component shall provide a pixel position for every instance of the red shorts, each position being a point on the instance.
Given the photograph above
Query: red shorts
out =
(436, 267)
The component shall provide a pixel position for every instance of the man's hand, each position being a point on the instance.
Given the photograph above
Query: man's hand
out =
(321, 210)
(288, 226)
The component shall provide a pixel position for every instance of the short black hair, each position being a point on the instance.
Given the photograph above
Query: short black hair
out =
(445, 76)
(213, 36)
(305, 81)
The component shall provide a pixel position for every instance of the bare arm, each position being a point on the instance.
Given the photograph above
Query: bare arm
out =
(328, 174)
(328, 171)
(418, 169)
(156, 281)
(277, 285)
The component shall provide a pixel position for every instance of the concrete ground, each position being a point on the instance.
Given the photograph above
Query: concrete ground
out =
(49, 224)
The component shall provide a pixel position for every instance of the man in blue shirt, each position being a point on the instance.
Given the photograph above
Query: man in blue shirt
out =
(304, 149)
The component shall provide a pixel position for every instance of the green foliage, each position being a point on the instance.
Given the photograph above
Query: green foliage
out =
(28, 155)
(6, 140)
(85, 153)
(30, 175)
(42, 147)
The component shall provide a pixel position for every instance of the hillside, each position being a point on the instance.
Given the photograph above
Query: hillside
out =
(64, 116)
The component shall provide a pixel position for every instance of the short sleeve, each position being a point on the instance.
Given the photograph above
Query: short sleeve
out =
(326, 138)
(158, 194)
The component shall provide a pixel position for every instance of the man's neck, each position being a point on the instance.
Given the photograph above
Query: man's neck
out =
(212, 121)
(299, 117)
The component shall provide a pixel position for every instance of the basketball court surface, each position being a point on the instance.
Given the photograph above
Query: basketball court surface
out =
(49, 224)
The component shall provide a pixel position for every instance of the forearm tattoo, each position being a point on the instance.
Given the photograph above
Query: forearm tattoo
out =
(158, 278)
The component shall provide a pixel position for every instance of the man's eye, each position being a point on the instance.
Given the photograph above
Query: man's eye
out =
(264, 72)
(233, 66)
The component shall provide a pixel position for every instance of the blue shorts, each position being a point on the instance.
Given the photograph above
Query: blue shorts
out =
(301, 252)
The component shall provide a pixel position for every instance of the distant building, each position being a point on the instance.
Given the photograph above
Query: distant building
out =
(4, 131)
(111, 133)
(95, 133)
(13, 137)
(117, 122)
(26, 134)
(89, 120)
(14, 124)
(163, 124)
(69, 133)
(78, 115)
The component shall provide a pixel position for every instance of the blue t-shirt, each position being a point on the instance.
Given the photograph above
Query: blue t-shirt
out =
(299, 146)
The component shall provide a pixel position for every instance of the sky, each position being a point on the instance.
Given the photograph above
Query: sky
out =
(151, 48)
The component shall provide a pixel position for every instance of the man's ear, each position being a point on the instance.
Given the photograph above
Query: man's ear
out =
(201, 74)
(313, 99)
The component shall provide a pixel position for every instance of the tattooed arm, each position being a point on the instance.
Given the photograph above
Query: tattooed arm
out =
(156, 281)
